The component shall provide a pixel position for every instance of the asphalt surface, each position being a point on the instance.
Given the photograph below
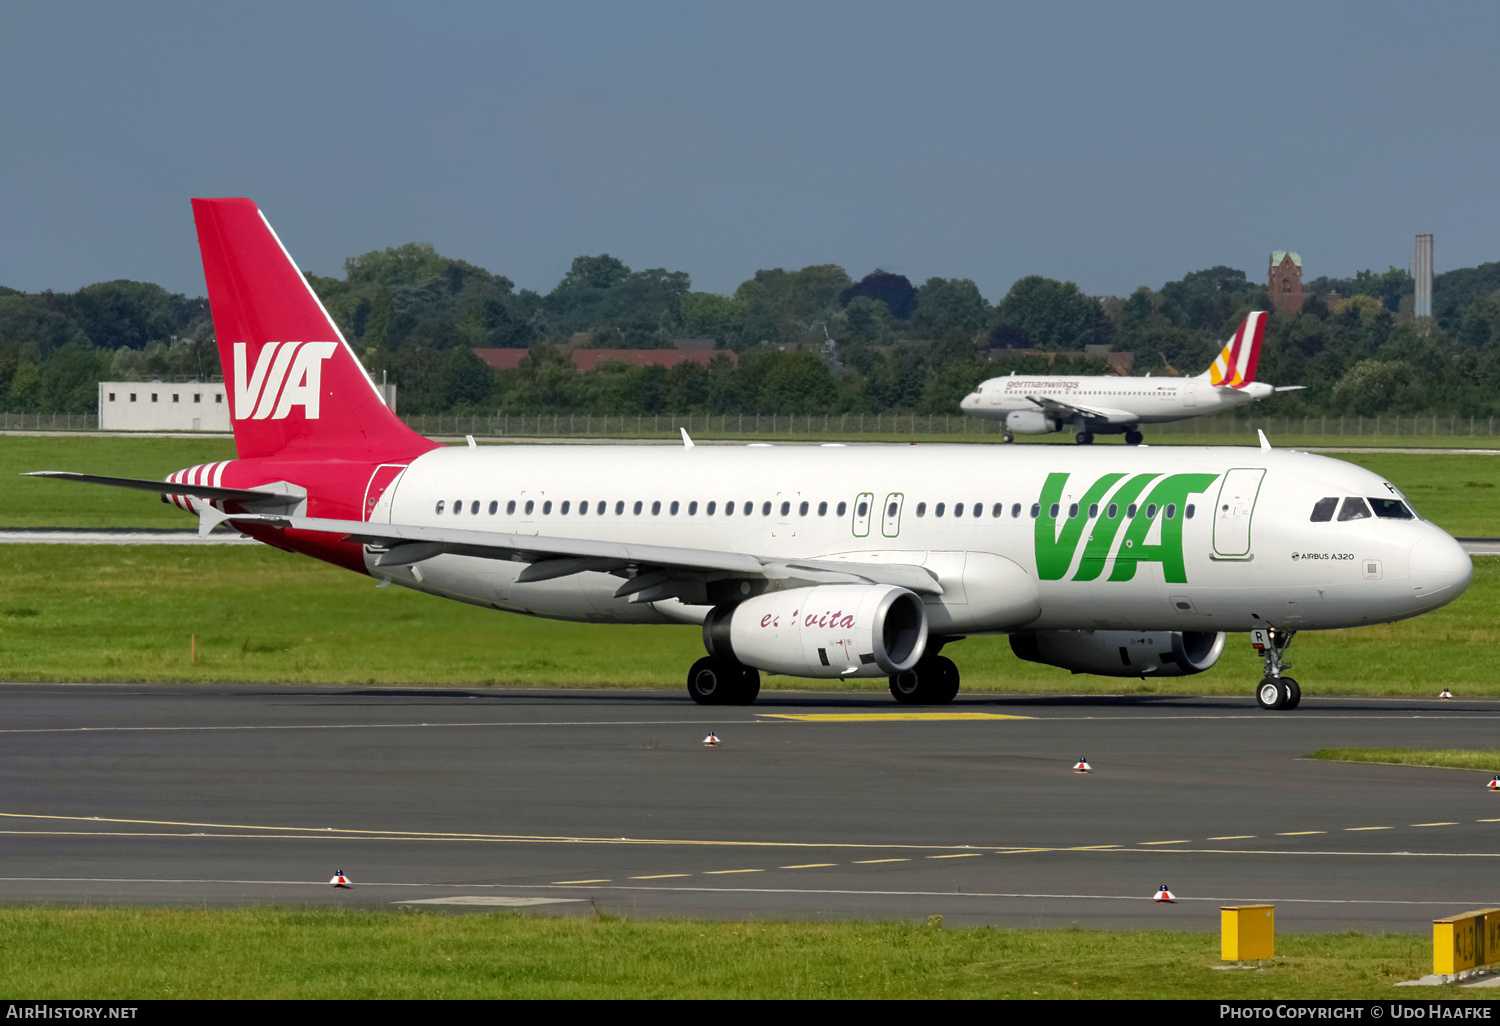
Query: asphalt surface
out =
(568, 799)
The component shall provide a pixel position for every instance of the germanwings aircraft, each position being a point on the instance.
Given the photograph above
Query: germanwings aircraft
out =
(1115, 405)
(811, 561)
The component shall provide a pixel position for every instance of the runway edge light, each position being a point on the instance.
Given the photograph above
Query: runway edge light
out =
(1494, 785)
(711, 741)
(1164, 896)
(1446, 695)
(1082, 766)
(340, 881)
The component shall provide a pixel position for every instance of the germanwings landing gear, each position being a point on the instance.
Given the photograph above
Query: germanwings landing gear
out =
(1134, 438)
(1084, 438)
(933, 681)
(1275, 691)
(722, 682)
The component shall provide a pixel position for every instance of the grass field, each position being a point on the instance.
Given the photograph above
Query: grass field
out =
(1443, 758)
(73, 612)
(1458, 492)
(127, 613)
(276, 953)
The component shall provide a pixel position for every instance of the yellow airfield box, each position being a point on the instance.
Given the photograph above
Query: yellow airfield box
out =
(1465, 941)
(1249, 931)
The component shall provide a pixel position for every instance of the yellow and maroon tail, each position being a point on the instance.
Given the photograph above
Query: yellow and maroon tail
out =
(1235, 367)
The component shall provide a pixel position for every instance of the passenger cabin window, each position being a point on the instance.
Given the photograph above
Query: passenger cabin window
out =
(786, 508)
(672, 509)
(1354, 508)
(547, 507)
(921, 509)
(802, 510)
(709, 509)
(458, 506)
(841, 507)
(1392, 509)
(958, 509)
(510, 507)
(440, 505)
(637, 507)
(822, 509)
(692, 509)
(564, 509)
(620, 508)
(765, 509)
(583, 508)
(1191, 509)
(656, 508)
(1323, 510)
(530, 505)
(937, 510)
(1093, 510)
(729, 509)
(601, 507)
(1015, 510)
(495, 507)
(1036, 510)
(474, 507)
(998, 510)
(1073, 511)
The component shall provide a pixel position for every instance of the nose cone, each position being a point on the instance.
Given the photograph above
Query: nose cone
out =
(970, 401)
(1440, 570)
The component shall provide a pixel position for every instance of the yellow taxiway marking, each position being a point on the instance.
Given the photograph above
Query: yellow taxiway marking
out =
(305, 832)
(966, 855)
(660, 876)
(1369, 828)
(811, 865)
(1298, 833)
(1435, 824)
(866, 862)
(721, 872)
(879, 717)
(605, 880)
(1487, 821)
(1234, 837)
(1085, 847)
(1185, 840)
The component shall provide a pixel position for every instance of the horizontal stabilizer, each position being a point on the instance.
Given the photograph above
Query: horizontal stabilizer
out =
(162, 487)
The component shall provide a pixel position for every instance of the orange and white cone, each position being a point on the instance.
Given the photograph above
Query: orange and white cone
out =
(340, 881)
(1446, 695)
(711, 741)
(1164, 896)
(1494, 785)
(1082, 766)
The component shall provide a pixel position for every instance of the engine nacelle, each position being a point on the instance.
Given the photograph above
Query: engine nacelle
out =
(830, 630)
(1029, 422)
(1122, 653)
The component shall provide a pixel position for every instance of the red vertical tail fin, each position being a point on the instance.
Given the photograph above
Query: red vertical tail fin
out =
(294, 384)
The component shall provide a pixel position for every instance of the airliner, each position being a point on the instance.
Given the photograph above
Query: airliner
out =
(1038, 405)
(816, 561)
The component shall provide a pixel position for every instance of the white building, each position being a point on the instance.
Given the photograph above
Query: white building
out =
(163, 406)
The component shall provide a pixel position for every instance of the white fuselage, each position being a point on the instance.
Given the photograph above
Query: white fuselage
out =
(1249, 555)
(1121, 401)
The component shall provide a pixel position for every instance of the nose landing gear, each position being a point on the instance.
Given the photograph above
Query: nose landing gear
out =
(1275, 691)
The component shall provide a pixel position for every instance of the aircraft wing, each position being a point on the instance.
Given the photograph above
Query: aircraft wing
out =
(653, 572)
(1100, 413)
(162, 487)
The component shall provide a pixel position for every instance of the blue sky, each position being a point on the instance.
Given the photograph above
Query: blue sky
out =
(1113, 145)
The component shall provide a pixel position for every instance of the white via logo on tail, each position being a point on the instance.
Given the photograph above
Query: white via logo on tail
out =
(291, 372)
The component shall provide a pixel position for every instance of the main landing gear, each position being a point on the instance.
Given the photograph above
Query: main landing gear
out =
(1134, 438)
(1084, 438)
(1275, 691)
(933, 681)
(722, 682)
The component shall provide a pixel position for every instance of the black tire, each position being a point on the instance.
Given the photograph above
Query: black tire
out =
(1294, 693)
(715, 681)
(1084, 438)
(746, 688)
(1009, 437)
(946, 689)
(1271, 693)
(907, 688)
(1134, 438)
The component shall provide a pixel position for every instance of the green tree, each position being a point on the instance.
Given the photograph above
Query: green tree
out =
(949, 307)
(1053, 314)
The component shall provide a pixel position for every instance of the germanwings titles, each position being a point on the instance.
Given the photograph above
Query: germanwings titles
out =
(812, 561)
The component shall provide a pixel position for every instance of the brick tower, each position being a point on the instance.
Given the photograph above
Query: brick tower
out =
(1285, 280)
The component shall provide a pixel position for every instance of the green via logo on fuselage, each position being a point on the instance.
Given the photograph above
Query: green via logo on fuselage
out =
(1056, 548)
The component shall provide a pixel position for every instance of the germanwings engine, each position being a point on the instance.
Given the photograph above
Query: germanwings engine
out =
(1122, 653)
(830, 630)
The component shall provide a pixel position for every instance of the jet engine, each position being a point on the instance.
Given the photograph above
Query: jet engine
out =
(1122, 653)
(1029, 422)
(830, 630)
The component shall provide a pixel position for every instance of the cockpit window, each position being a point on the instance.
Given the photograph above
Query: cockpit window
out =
(1354, 508)
(1323, 510)
(1392, 509)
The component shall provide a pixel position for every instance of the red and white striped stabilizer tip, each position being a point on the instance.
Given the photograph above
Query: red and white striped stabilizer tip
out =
(1446, 695)
(1082, 766)
(1164, 896)
(340, 880)
(711, 741)
(1494, 785)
